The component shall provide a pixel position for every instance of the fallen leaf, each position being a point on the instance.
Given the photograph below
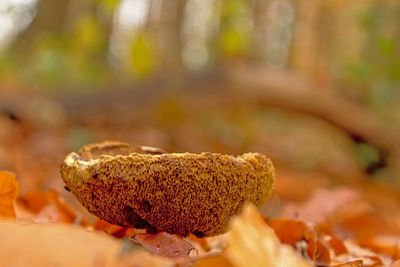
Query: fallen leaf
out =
(292, 232)
(47, 207)
(37, 200)
(116, 230)
(321, 206)
(106, 227)
(202, 242)
(368, 257)
(355, 263)
(254, 243)
(167, 245)
(337, 245)
(9, 190)
(216, 261)
(396, 264)
(384, 244)
(39, 245)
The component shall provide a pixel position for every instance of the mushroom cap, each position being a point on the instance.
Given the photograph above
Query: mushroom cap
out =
(178, 193)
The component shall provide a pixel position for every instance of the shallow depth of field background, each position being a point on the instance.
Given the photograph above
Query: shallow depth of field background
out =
(313, 84)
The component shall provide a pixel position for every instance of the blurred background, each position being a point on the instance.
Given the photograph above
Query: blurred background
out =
(313, 84)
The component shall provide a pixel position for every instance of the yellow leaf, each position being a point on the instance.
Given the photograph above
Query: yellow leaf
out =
(254, 243)
(9, 190)
(66, 245)
(216, 261)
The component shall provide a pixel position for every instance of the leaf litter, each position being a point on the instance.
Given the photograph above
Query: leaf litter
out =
(333, 227)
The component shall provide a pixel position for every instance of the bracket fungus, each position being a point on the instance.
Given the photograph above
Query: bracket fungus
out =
(178, 193)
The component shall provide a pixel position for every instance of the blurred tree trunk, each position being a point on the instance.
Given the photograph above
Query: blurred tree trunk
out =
(50, 18)
(77, 8)
(259, 9)
(304, 50)
(167, 34)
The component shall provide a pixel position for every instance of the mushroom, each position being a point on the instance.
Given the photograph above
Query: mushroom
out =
(178, 193)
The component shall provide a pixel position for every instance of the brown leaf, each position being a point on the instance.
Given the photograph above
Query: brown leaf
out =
(9, 190)
(167, 245)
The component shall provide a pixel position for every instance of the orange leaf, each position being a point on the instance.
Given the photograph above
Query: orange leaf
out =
(396, 264)
(293, 231)
(321, 206)
(116, 230)
(49, 207)
(9, 190)
(37, 200)
(322, 255)
(355, 263)
(384, 244)
(337, 245)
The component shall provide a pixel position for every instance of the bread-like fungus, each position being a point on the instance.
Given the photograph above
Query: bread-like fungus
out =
(179, 193)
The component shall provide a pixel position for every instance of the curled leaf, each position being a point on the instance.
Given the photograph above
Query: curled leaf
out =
(292, 232)
(254, 243)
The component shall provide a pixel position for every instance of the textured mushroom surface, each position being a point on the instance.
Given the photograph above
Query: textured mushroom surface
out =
(179, 193)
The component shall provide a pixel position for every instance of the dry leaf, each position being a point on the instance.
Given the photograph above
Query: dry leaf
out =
(65, 245)
(355, 263)
(47, 207)
(337, 245)
(396, 264)
(9, 190)
(116, 230)
(254, 243)
(167, 245)
(368, 257)
(216, 261)
(321, 206)
(384, 244)
(292, 232)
